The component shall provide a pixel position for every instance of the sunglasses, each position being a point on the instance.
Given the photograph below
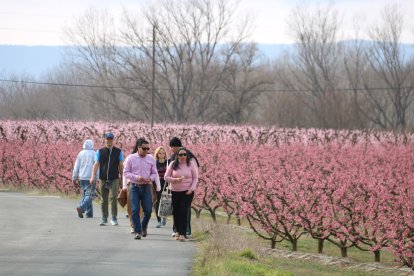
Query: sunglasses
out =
(182, 154)
(145, 149)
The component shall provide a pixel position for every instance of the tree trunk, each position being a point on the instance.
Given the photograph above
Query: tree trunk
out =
(198, 213)
(238, 221)
(294, 245)
(344, 252)
(320, 246)
(213, 214)
(377, 255)
(273, 245)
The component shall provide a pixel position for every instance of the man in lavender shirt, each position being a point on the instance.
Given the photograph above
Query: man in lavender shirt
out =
(140, 170)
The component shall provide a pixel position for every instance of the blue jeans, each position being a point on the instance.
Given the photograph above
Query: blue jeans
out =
(88, 192)
(141, 195)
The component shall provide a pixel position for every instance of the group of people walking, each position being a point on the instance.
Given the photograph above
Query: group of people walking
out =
(141, 173)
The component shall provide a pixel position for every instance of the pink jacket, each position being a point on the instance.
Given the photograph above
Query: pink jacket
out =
(190, 174)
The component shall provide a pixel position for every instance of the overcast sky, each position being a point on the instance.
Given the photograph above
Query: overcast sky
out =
(31, 22)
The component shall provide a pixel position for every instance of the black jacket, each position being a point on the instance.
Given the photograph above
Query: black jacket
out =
(109, 163)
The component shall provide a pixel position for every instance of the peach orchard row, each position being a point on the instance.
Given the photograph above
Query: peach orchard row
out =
(127, 133)
(353, 189)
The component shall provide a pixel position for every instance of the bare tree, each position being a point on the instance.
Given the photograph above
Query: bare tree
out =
(314, 72)
(194, 46)
(283, 107)
(95, 56)
(66, 100)
(194, 43)
(356, 66)
(247, 79)
(22, 100)
(391, 69)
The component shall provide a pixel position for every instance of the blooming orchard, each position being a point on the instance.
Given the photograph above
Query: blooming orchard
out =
(350, 188)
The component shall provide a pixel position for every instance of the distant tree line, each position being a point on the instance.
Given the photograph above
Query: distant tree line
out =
(199, 57)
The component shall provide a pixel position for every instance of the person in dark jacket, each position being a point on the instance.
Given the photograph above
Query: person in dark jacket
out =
(175, 145)
(109, 160)
(160, 155)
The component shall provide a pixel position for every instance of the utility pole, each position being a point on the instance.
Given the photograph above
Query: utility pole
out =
(153, 74)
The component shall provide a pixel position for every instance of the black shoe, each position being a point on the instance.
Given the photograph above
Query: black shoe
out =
(144, 231)
(79, 210)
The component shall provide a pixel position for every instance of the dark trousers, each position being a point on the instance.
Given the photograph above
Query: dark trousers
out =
(113, 189)
(157, 206)
(188, 232)
(181, 203)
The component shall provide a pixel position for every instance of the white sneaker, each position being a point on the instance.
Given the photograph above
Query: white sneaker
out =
(114, 222)
(132, 230)
(173, 234)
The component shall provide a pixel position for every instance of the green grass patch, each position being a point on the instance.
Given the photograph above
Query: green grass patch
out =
(310, 245)
(233, 263)
(306, 243)
(232, 250)
(248, 253)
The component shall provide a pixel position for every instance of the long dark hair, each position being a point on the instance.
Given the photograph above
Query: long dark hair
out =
(176, 162)
(140, 142)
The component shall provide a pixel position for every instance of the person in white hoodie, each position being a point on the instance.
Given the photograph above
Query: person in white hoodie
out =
(82, 172)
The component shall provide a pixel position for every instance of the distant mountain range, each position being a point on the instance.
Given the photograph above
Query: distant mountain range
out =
(38, 60)
(32, 60)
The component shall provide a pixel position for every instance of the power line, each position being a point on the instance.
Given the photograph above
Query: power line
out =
(217, 90)
(65, 84)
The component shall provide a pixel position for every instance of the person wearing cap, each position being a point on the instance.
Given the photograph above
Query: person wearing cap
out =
(82, 172)
(109, 161)
(140, 171)
(175, 145)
